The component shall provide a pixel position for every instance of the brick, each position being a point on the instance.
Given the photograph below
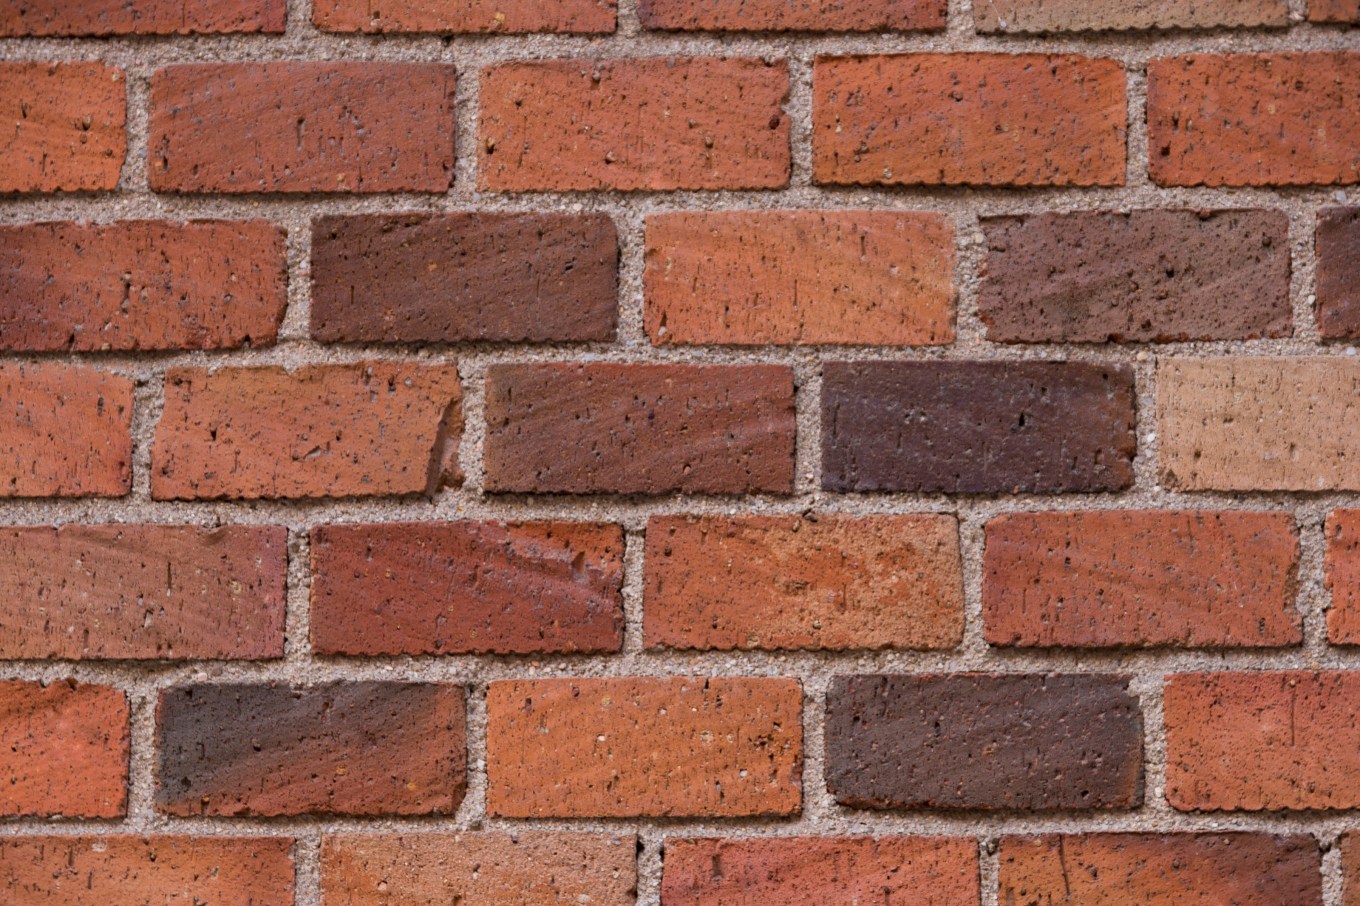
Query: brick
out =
(644, 747)
(118, 870)
(1146, 276)
(1254, 119)
(810, 871)
(142, 592)
(63, 126)
(301, 127)
(105, 18)
(1161, 870)
(1262, 741)
(819, 582)
(1138, 579)
(1338, 272)
(501, 17)
(793, 15)
(65, 431)
(644, 429)
(344, 748)
(141, 285)
(321, 431)
(794, 277)
(1041, 16)
(1258, 424)
(1349, 844)
(63, 750)
(632, 124)
(465, 277)
(977, 427)
(934, 119)
(1334, 11)
(528, 868)
(467, 588)
(1343, 577)
(968, 741)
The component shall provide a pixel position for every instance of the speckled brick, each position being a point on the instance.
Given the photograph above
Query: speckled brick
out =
(63, 126)
(1343, 577)
(794, 15)
(1342, 11)
(497, 17)
(1337, 247)
(1041, 16)
(105, 18)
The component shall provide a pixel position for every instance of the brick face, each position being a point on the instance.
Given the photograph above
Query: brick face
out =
(1338, 272)
(1334, 10)
(1343, 576)
(64, 126)
(793, 15)
(1041, 16)
(104, 18)
(468, 16)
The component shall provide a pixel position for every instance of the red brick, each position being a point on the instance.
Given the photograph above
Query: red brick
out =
(467, 588)
(793, 15)
(820, 582)
(1349, 843)
(629, 124)
(65, 431)
(301, 127)
(103, 18)
(321, 431)
(1343, 577)
(757, 277)
(1109, 579)
(1039, 16)
(500, 17)
(63, 126)
(63, 750)
(939, 119)
(141, 284)
(1337, 245)
(116, 870)
(1254, 119)
(1334, 11)
(641, 746)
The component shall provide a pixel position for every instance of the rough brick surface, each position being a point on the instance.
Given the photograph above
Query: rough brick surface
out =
(345, 748)
(63, 126)
(1338, 272)
(1349, 844)
(301, 127)
(413, 278)
(968, 119)
(1334, 10)
(1153, 275)
(1140, 579)
(1039, 16)
(820, 582)
(102, 18)
(467, 588)
(976, 427)
(1343, 577)
(660, 123)
(966, 741)
(752, 278)
(497, 17)
(793, 15)
(641, 746)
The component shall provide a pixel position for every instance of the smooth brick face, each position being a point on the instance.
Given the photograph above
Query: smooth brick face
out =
(644, 747)
(65, 431)
(1262, 741)
(812, 871)
(1146, 276)
(1187, 579)
(346, 748)
(63, 126)
(320, 431)
(135, 871)
(63, 750)
(793, 15)
(1161, 870)
(466, 16)
(142, 591)
(976, 427)
(1338, 272)
(652, 123)
(968, 119)
(646, 429)
(413, 278)
(301, 127)
(102, 18)
(527, 868)
(141, 284)
(1334, 11)
(826, 582)
(1343, 577)
(1038, 16)
(1254, 119)
(1026, 742)
(467, 588)
(792, 277)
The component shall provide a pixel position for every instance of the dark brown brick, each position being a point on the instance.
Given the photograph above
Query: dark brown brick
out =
(1338, 272)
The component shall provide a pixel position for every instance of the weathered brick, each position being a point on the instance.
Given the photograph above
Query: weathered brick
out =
(1118, 578)
(1334, 11)
(63, 126)
(1254, 119)
(1343, 577)
(647, 429)
(141, 284)
(344, 748)
(298, 126)
(1349, 844)
(641, 746)
(793, 15)
(1145, 276)
(965, 741)
(320, 431)
(103, 18)
(450, 278)
(821, 582)
(977, 427)
(1338, 272)
(757, 277)
(1040, 16)
(671, 123)
(63, 750)
(467, 588)
(501, 17)
(934, 119)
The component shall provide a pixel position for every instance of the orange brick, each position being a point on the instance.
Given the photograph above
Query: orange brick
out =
(1343, 577)
(63, 126)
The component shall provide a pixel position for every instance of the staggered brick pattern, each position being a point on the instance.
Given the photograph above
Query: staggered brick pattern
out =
(680, 452)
